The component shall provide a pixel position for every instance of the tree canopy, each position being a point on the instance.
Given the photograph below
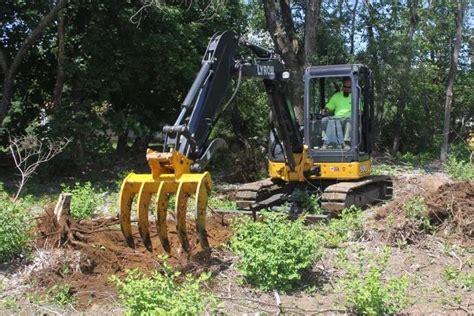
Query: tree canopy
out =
(125, 66)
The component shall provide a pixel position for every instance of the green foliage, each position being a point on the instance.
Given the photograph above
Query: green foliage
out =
(416, 210)
(15, 224)
(162, 293)
(347, 227)
(309, 202)
(386, 169)
(459, 278)
(84, 200)
(460, 151)
(418, 159)
(365, 289)
(273, 251)
(61, 294)
(11, 304)
(459, 169)
(221, 204)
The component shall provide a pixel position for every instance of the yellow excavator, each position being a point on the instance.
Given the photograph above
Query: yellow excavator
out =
(325, 154)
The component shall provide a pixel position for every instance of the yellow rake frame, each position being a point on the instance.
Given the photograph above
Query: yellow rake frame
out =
(170, 175)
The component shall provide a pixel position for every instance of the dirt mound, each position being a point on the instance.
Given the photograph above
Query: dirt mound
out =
(449, 211)
(452, 207)
(103, 252)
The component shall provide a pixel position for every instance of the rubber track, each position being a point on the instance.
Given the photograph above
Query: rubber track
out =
(360, 193)
(259, 194)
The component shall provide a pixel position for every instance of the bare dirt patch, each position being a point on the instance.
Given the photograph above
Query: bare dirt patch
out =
(103, 253)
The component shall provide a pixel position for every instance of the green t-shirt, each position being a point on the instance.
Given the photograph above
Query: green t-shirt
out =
(340, 105)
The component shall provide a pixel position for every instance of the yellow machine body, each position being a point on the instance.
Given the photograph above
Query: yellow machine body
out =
(327, 170)
(170, 176)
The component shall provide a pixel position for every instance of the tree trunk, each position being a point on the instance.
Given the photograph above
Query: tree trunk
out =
(10, 73)
(379, 87)
(311, 25)
(353, 26)
(122, 143)
(452, 75)
(404, 92)
(282, 31)
(58, 88)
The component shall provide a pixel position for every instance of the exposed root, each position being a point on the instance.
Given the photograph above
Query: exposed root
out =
(54, 233)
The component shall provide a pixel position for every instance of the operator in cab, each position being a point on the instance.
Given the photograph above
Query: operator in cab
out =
(339, 106)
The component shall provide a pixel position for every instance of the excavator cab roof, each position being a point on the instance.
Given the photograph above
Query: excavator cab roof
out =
(333, 70)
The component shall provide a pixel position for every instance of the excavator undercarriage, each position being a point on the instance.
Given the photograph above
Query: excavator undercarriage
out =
(334, 197)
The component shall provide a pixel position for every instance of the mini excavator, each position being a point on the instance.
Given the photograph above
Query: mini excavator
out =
(314, 157)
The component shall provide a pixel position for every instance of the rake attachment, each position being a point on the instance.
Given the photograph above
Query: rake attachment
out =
(170, 175)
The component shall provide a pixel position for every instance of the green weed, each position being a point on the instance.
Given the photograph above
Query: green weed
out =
(365, 289)
(274, 251)
(336, 231)
(419, 159)
(15, 224)
(10, 303)
(385, 169)
(416, 210)
(84, 200)
(217, 203)
(459, 169)
(309, 202)
(161, 294)
(61, 295)
(461, 279)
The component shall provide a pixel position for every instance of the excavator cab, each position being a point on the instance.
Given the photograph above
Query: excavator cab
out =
(338, 138)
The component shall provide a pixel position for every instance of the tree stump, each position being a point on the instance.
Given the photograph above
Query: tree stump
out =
(62, 210)
(62, 218)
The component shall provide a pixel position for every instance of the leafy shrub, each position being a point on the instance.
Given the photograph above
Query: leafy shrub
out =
(347, 227)
(15, 223)
(366, 291)
(459, 169)
(460, 151)
(416, 210)
(161, 294)
(274, 251)
(84, 200)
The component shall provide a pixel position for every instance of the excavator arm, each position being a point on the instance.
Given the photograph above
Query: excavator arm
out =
(177, 170)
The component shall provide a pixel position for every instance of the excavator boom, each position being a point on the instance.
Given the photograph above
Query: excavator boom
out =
(178, 169)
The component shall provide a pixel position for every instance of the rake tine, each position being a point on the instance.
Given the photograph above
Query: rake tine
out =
(144, 197)
(161, 210)
(125, 205)
(201, 206)
(181, 206)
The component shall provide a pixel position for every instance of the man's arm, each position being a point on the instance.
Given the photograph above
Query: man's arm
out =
(331, 105)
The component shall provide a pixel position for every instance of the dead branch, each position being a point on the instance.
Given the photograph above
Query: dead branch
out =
(30, 151)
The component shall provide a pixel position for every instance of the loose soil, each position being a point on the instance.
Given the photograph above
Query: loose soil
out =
(97, 250)
(450, 210)
(103, 253)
